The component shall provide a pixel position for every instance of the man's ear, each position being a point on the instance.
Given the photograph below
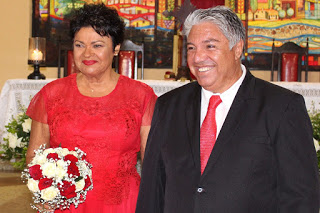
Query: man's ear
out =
(238, 49)
(116, 50)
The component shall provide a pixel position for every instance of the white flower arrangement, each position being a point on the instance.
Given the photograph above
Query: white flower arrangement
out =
(58, 177)
(314, 115)
(16, 140)
(316, 145)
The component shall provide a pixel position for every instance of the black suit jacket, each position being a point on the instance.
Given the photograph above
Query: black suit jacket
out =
(263, 161)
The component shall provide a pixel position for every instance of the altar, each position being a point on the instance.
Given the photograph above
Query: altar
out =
(17, 93)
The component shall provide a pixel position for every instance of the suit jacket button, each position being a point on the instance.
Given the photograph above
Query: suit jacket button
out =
(200, 190)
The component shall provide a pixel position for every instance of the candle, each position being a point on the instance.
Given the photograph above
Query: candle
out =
(36, 55)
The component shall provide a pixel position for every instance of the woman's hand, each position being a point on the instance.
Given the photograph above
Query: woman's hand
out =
(44, 208)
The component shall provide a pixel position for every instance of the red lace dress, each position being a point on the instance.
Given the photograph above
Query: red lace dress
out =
(106, 128)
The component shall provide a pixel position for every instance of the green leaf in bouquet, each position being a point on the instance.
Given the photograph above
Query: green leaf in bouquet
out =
(78, 178)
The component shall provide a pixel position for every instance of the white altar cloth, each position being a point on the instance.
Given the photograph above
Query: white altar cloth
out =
(19, 92)
(16, 92)
(310, 92)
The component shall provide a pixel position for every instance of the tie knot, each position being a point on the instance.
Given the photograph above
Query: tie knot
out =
(215, 100)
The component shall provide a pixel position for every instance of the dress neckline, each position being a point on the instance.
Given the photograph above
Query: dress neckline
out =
(74, 84)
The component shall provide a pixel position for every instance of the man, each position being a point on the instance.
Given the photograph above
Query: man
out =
(263, 158)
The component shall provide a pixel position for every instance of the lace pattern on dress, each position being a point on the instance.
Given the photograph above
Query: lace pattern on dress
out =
(106, 128)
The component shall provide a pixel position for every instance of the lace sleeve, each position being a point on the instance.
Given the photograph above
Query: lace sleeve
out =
(37, 108)
(149, 107)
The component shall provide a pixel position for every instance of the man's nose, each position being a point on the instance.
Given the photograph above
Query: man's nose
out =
(199, 56)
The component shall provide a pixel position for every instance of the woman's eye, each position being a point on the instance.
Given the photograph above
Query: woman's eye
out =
(78, 45)
(97, 45)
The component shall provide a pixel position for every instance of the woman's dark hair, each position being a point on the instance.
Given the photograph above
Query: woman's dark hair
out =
(104, 20)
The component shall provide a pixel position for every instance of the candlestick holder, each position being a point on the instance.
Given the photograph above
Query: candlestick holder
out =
(37, 56)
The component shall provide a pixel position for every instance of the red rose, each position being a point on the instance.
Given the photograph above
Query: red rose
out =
(67, 189)
(45, 183)
(87, 182)
(35, 172)
(73, 170)
(53, 156)
(71, 158)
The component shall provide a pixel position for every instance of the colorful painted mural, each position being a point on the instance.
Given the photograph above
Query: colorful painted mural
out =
(144, 23)
(283, 20)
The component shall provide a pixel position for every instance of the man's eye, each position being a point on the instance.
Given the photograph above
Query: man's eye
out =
(210, 46)
(97, 45)
(190, 48)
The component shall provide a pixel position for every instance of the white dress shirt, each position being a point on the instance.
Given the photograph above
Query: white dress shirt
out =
(227, 98)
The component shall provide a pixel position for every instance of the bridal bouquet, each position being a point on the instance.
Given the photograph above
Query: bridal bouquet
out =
(58, 178)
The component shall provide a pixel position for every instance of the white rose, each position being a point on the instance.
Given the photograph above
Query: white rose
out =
(48, 151)
(63, 151)
(57, 150)
(60, 173)
(62, 164)
(74, 153)
(316, 145)
(27, 125)
(49, 169)
(14, 141)
(49, 193)
(39, 159)
(19, 142)
(80, 185)
(33, 185)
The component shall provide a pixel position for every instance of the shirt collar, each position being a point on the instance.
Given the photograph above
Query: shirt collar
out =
(227, 96)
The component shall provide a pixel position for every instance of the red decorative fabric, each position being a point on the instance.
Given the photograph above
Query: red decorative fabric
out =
(289, 67)
(204, 4)
(208, 131)
(126, 63)
(71, 67)
(106, 128)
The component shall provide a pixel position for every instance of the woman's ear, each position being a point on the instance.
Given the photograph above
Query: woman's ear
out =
(116, 50)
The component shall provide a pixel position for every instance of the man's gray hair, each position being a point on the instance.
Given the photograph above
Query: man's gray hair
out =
(223, 17)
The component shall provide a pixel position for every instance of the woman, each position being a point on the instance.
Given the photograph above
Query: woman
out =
(105, 114)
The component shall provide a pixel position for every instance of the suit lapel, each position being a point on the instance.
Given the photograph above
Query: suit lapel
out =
(235, 115)
(192, 114)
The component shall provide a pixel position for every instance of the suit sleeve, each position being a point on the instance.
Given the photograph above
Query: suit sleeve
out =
(152, 186)
(298, 176)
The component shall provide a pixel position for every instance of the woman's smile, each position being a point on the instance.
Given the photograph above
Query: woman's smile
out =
(89, 62)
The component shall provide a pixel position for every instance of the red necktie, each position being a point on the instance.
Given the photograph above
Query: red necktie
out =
(208, 131)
